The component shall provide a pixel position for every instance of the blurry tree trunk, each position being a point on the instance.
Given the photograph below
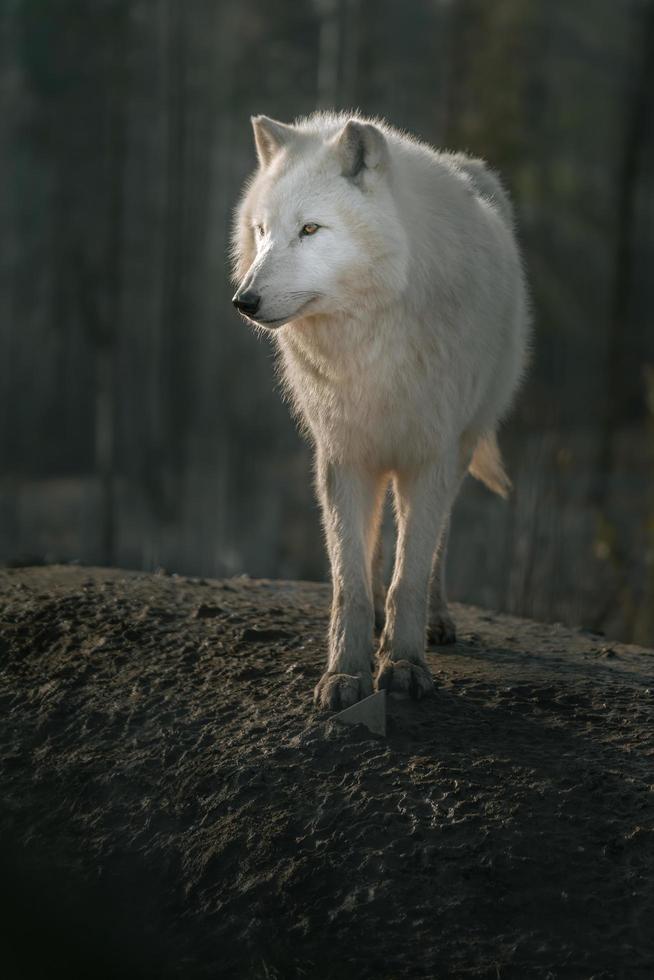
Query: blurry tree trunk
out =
(328, 53)
(8, 98)
(106, 332)
(638, 117)
(215, 452)
(459, 25)
(638, 120)
(170, 408)
(98, 284)
(350, 54)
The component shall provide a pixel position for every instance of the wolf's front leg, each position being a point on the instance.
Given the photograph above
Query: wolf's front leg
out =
(350, 502)
(423, 502)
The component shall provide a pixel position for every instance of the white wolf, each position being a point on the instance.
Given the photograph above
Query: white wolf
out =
(391, 279)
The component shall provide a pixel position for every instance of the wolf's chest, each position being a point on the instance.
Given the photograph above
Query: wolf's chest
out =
(365, 411)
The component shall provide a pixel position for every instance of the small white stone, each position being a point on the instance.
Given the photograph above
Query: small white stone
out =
(370, 712)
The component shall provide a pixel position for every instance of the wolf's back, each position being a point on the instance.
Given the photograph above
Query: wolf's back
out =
(487, 183)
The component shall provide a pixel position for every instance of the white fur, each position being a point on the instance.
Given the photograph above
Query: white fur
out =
(403, 328)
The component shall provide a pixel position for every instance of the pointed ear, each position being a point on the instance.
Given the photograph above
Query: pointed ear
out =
(360, 146)
(270, 136)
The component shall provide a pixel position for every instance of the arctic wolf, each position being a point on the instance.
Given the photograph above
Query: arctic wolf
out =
(389, 277)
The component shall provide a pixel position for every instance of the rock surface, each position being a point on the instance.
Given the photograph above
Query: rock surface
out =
(173, 806)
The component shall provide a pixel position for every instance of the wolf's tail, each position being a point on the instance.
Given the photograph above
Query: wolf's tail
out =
(486, 465)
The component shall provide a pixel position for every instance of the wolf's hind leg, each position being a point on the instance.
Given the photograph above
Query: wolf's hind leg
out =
(378, 584)
(378, 587)
(440, 625)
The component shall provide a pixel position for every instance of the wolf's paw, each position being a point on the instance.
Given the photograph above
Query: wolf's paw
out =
(333, 692)
(441, 630)
(405, 678)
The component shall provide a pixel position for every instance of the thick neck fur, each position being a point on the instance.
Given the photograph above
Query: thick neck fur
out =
(332, 348)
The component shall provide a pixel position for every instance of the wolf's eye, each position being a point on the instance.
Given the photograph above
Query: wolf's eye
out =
(259, 230)
(309, 229)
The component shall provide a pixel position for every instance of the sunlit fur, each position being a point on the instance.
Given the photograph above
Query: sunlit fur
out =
(402, 328)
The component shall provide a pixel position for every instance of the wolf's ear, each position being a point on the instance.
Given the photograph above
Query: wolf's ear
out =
(270, 136)
(360, 146)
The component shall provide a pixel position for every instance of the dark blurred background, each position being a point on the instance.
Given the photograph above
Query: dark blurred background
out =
(139, 423)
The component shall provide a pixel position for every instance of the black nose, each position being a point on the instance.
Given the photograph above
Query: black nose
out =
(247, 302)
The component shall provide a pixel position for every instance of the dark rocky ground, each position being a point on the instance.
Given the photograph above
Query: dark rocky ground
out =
(173, 806)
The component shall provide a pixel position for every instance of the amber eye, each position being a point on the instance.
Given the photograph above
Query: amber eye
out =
(310, 228)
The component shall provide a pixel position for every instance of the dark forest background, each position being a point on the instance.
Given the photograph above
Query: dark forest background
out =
(139, 424)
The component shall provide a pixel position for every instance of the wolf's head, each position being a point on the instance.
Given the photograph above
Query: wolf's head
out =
(317, 230)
